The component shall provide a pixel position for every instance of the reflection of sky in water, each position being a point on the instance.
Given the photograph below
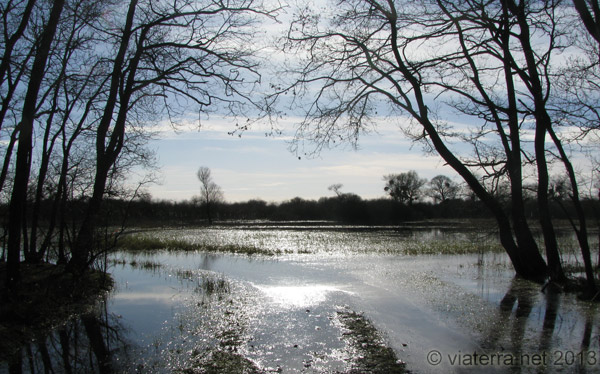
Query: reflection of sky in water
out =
(146, 300)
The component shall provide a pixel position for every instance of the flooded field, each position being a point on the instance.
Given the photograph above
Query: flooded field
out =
(324, 299)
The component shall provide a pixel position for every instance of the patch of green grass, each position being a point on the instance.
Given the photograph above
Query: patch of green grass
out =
(305, 242)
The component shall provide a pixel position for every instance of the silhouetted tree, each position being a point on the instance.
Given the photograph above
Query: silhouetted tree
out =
(442, 188)
(364, 54)
(178, 55)
(210, 192)
(79, 81)
(336, 187)
(25, 147)
(404, 187)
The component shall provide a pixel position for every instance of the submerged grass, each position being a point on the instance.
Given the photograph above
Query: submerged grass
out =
(138, 243)
(222, 361)
(448, 247)
(284, 242)
(211, 284)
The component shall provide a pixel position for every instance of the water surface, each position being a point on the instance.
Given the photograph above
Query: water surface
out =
(439, 313)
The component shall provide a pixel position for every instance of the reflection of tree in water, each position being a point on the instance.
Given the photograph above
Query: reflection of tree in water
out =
(511, 334)
(517, 298)
(86, 344)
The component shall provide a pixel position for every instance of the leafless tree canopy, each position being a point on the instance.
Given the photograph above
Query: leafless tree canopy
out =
(81, 81)
(210, 192)
(476, 82)
(442, 188)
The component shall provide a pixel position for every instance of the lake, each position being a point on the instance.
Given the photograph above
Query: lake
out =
(443, 299)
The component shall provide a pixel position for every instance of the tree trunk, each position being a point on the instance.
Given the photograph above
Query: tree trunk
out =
(84, 241)
(8, 156)
(22, 168)
(33, 255)
(581, 232)
(543, 123)
(554, 263)
(514, 165)
(106, 155)
(591, 22)
(527, 261)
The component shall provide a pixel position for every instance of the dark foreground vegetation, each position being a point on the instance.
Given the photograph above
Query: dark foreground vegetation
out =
(47, 297)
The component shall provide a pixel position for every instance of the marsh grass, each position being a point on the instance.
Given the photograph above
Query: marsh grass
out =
(286, 242)
(214, 284)
(222, 361)
(135, 264)
(139, 243)
(222, 351)
(146, 265)
(449, 247)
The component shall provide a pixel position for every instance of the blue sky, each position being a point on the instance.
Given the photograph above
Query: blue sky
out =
(256, 166)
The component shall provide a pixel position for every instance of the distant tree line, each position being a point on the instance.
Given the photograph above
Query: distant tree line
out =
(349, 209)
(410, 198)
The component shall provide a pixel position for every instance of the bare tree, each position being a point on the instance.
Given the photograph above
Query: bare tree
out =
(336, 188)
(425, 60)
(210, 192)
(442, 188)
(77, 76)
(404, 187)
(24, 150)
(210, 65)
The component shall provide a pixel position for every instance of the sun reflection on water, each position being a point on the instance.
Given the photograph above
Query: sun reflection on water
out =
(299, 296)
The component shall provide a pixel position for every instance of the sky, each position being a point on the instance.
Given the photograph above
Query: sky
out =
(256, 166)
(259, 167)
